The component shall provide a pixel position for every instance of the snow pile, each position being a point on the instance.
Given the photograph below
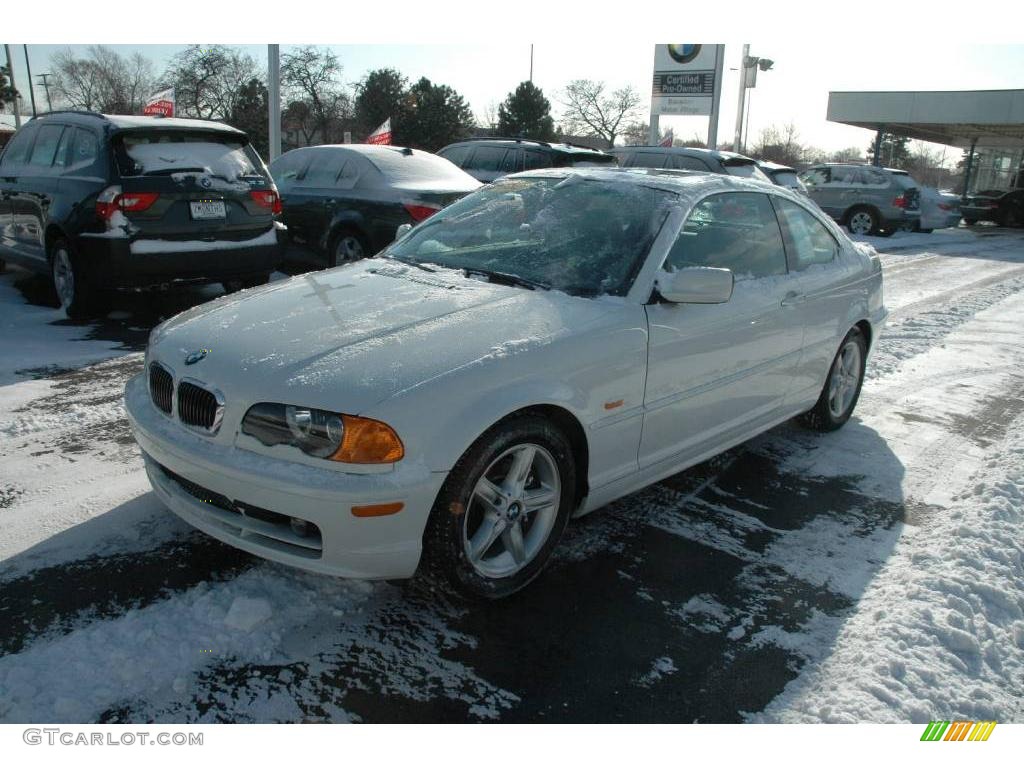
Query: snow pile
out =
(939, 633)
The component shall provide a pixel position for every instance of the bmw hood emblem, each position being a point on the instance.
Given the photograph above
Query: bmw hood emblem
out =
(206, 182)
(194, 357)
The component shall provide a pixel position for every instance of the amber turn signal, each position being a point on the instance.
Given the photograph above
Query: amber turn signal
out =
(368, 441)
(378, 510)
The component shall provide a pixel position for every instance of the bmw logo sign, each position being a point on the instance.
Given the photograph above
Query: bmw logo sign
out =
(683, 52)
(207, 183)
(194, 357)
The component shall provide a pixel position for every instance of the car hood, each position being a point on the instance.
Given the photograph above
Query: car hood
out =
(351, 337)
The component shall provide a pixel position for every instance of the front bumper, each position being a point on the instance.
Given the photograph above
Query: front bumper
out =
(115, 265)
(246, 499)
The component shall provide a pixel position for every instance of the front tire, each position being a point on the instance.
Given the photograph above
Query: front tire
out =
(841, 391)
(503, 508)
(72, 283)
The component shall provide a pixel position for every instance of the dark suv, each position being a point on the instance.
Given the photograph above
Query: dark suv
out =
(109, 201)
(690, 159)
(489, 159)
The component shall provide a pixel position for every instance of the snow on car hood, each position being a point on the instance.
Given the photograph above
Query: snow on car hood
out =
(350, 337)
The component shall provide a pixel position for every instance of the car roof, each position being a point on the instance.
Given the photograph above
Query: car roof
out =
(860, 165)
(768, 165)
(717, 154)
(132, 122)
(686, 183)
(559, 146)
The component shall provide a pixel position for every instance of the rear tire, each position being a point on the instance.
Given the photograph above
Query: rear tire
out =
(862, 221)
(72, 283)
(842, 387)
(233, 286)
(502, 510)
(347, 245)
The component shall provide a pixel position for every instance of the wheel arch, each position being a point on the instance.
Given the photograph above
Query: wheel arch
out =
(52, 234)
(341, 221)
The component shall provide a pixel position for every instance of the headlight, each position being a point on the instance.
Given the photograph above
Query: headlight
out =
(334, 436)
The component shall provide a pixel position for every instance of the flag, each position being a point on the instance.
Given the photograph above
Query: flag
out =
(160, 103)
(382, 135)
(667, 141)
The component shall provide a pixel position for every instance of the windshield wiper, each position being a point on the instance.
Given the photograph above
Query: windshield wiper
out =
(505, 278)
(409, 262)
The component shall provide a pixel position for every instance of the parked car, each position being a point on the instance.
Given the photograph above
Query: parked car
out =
(549, 343)
(939, 210)
(782, 175)
(689, 159)
(117, 201)
(487, 159)
(343, 202)
(1004, 208)
(867, 199)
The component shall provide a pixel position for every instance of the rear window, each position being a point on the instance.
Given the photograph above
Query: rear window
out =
(649, 160)
(419, 168)
(904, 181)
(150, 153)
(745, 170)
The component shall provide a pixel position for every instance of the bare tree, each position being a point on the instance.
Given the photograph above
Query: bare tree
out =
(102, 81)
(313, 76)
(780, 145)
(209, 79)
(590, 110)
(488, 118)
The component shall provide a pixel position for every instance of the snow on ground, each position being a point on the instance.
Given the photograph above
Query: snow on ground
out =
(883, 562)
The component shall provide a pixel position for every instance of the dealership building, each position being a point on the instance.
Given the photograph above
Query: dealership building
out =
(988, 124)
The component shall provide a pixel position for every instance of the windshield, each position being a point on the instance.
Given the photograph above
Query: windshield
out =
(746, 170)
(582, 236)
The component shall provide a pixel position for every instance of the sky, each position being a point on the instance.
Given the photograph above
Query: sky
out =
(796, 89)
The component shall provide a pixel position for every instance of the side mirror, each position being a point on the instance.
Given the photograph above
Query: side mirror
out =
(696, 285)
(402, 231)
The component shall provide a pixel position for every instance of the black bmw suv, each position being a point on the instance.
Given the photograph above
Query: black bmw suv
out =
(109, 201)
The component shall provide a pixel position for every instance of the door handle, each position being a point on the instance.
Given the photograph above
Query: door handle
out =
(793, 299)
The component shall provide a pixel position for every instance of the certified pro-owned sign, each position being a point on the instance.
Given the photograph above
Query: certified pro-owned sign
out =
(684, 78)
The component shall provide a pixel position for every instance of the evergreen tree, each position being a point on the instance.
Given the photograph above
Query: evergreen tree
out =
(383, 93)
(439, 116)
(250, 114)
(894, 151)
(526, 113)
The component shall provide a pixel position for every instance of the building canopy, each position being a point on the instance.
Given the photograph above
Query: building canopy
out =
(991, 119)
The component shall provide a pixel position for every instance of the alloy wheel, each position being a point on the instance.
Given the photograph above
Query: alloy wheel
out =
(63, 277)
(512, 511)
(845, 377)
(861, 223)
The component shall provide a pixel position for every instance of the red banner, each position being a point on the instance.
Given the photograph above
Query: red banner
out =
(161, 103)
(382, 135)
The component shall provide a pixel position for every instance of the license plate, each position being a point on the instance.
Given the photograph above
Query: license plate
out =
(208, 209)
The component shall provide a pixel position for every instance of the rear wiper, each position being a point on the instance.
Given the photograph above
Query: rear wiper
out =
(505, 278)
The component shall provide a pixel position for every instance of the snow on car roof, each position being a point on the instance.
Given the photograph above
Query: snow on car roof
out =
(145, 121)
(686, 183)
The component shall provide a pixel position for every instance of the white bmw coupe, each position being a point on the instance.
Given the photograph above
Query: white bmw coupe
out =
(547, 344)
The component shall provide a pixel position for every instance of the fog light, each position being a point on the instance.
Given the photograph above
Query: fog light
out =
(299, 527)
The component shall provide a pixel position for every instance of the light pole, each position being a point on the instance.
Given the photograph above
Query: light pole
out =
(748, 79)
(274, 99)
(31, 88)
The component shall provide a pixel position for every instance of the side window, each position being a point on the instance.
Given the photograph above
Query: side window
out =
(687, 163)
(84, 148)
(456, 155)
(874, 178)
(735, 230)
(649, 160)
(45, 148)
(807, 240)
(61, 158)
(533, 159)
(324, 169)
(487, 159)
(513, 161)
(18, 147)
(816, 177)
(845, 176)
